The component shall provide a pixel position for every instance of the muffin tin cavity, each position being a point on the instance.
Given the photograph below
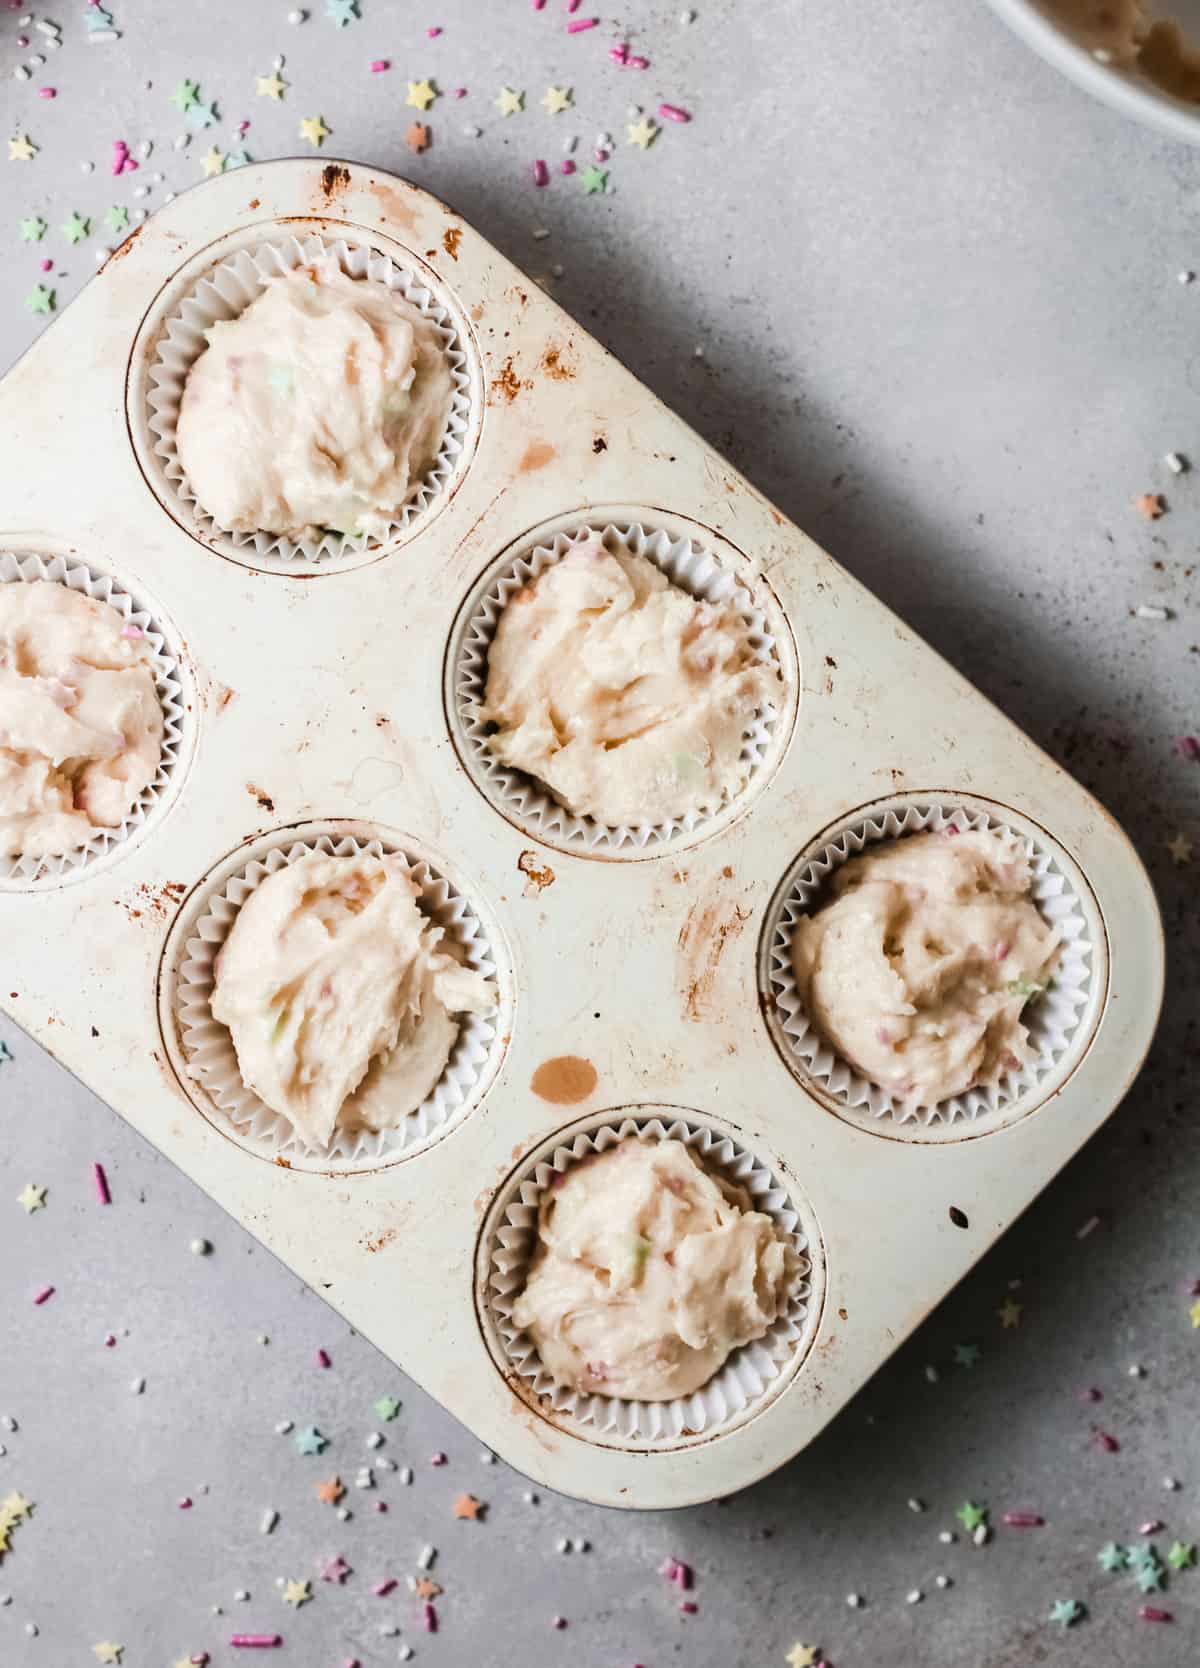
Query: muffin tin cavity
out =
(173, 682)
(700, 563)
(202, 1050)
(752, 1377)
(222, 285)
(1061, 1021)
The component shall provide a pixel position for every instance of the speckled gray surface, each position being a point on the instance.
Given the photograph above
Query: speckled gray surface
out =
(936, 293)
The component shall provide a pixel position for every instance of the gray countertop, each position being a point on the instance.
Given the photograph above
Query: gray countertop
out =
(926, 295)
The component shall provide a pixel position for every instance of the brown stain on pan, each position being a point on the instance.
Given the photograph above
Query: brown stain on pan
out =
(393, 203)
(451, 238)
(554, 365)
(537, 875)
(123, 249)
(261, 795)
(565, 1080)
(506, 384)
(536, 455)
(334, 178)
(713, 923)
(379, 1242)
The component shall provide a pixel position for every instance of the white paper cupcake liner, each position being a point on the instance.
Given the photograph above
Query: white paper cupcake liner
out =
(222, 294)
(26, 568)
(520, 797)
(1053, 1020)
(749, 1377)
(208, 1050)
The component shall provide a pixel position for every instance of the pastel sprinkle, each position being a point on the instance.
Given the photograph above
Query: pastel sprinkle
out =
(324, 1359)
(541, 174)
(379, 65)
(43, 1296)
(1151, 1613)
(674, 113)
(580, 24)
(1023, 1520)
(101, 1180)
(429, 1618)
(256, 1641)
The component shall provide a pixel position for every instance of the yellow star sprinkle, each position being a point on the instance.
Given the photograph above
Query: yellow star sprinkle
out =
(314, 130)
(557, 100)
(106, 1651)
(801, 1656)
(1194, 1312)
(1009, 1313)
(21, 148)
(214, 163)
(297, 1593)
(32, 1197)
(421, 94)
(1180, 848)
(509, 103)
(643, 133)
(270, 86)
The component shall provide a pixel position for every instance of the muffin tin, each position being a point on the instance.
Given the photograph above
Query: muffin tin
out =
(324, 697)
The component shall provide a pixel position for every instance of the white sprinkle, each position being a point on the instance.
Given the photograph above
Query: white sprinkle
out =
(146, 146)
(1136, 1370)
(931, 1374)
(182, 141)
(97, 35)
(580, 1545)
(1171, 1483)
(406, 1475)
(947, 1537)
(570, 142)
(9, 1423)
(280, 60)
(268, 1521)
(375, 1440)
(943, 1580)
(279, 1581)
(365, 1477)
(5, 1600)
(915, 1505)
(687, 17)
(412, 1583)
(529, 1497)
(31, 1629)
(144, 191)
(86, 167)
(541, 232)
(557, 269)
(198, 1247)
(487, 1457)
(1185, 277)
(262, 1337)
(1176, 463)
(914, 1597)
(241, 1595)
(137, 1385)
(1102, 54)
(1151, 611)
(981, 1534)
(157, 179)
(344, 1513)
(45, 27)
(170, 198)
(698, 353)
(3, 1450)
(390, 1630)
(406, 1652)
(427, 1555)
(20, 73)
(854, 1600)
(472, 132)
(385, 1464)
(604, 141)
(562, 1544)
(297, 16)
(37, 59)
(283, 1427)
(218, 1610)
(1090, 1226)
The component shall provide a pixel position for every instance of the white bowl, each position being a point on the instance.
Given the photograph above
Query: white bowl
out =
(1125, 90)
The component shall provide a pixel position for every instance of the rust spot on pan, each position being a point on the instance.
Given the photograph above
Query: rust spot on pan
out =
(334, 178)
(377, 1242)
(451, 238)
(394, 205)
(261, 795)
(122, 249)
(554, 366)
(538, 875)
(713, 923)
(564, 1081)
(536, 455)
(507, 384)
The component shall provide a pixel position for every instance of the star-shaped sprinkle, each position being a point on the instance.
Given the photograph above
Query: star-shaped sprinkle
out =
(40, 299)
(594, 179)
(387, 1407)
(1182, 1555)
(310, 1440)
(32, 1197)
(801, 1656)
(117, 218)
(336, 1570)
(426, 1588)
(971, 1516)
(1151, 505)
(966, 1355)
(1149, 1578)
(213, 162)
(1180, 848)
(314, 130)
(1112, 1557)
(21, 148)
(556, 99)
(33, 230)
(1142, 1554)
(1066, 1612)
(185, 95)
(236, 159)
(270, 86)
(106, 1651)
(417, 138)
(330, 1491)
(202, 115)
(14, 1507)
(1009, 1313)
(342, 11)
(297, 1593)
(421, 94)
(467, 1506)
(643, 133)
(509, 103)
(1194, 1312)
(76, 228)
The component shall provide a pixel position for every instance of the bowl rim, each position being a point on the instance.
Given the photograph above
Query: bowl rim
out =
(1118, 89)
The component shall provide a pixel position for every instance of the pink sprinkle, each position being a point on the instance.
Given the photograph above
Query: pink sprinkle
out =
(1151, 1613)
(434, 32)
(637, 63)
(437, 1459)
(132, 631)
(185, 1505)
(459, 92)
(1192, 1288)
(1024, 1520)
(1107, 1442)
(1188, 747)
(574, 5)
(1151, 1528)
(559, 1622)
(352, 1662)
(110, 1340)
(689, 1607)
(324, 1359)
(541, 174)
(682, 1576)
(674, 113)
(381, 1506)
(381, 1589)
(581, 24)
(44, 1295)
(1091, 1394)
(601, 154)
(47, 265)
(429, 1618)
(47, 92)
(568, 165)
(243, 128)
(102, 1193)
(256, 1641)
(1001, 950)
(22, 40)
(619, 54)
(539, 5)
(379, 65)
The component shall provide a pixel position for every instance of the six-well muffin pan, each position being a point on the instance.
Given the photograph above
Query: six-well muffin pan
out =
(325, 698)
